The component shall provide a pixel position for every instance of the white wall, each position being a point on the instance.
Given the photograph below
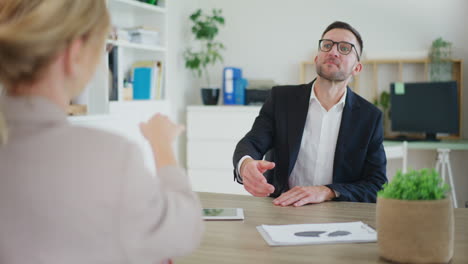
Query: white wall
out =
(180, 81)
(269, 39)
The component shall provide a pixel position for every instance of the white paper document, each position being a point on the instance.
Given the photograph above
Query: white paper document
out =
(303, 234)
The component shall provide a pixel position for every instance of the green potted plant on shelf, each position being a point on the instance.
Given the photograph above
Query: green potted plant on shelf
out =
(440, 55)
(151, 2)
(415, 221)
(383, 102)
(205, 28)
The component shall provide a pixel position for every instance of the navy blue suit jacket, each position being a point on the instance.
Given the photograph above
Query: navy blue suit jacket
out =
(360, 164)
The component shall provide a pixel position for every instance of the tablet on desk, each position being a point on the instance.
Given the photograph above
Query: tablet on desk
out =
(223, 213)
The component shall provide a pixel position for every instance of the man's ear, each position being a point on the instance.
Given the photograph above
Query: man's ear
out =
(315, 60)
(72, 57)
(357, 69)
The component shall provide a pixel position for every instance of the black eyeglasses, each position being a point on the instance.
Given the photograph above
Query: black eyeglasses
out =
(343, 47)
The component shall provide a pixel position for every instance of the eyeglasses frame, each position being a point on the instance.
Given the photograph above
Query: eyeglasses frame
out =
(337, 46)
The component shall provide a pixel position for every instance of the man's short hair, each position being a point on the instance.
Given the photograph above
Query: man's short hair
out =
(346, 26)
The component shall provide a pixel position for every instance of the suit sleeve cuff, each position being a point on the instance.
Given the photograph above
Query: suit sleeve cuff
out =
(239, 166)
(337, 193)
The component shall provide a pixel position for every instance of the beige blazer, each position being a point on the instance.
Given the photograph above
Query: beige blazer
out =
(78, 195)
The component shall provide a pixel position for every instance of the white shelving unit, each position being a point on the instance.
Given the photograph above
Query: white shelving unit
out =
(128, 14)
(131, 13)
(137, 46)
(121, 116)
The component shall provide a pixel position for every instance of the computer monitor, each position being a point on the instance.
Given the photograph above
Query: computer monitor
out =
(425, 107)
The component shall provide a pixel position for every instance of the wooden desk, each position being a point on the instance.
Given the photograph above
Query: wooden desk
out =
(238, 242)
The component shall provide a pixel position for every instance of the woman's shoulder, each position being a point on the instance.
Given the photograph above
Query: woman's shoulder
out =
(106, 135)
(97, 139)
(101, 149)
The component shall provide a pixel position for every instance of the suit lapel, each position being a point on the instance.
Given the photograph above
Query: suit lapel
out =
(298, 106)
(349, 117)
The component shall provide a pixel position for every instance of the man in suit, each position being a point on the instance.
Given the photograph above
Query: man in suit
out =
(326, 140)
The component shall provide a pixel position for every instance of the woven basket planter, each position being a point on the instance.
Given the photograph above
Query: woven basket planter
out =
(415, 231)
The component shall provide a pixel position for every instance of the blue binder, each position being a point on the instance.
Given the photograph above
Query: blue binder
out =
(142, 83)
(239, 91)
(233, 86)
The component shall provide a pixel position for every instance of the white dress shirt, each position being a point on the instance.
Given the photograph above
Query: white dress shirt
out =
(314, 164)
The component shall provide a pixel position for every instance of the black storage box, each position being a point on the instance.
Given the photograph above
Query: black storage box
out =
(256, 96)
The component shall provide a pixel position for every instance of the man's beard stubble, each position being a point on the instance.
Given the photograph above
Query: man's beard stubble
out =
(338, 76)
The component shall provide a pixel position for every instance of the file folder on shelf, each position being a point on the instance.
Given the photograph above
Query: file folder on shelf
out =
(233, 86)
(142, 83)
(148, 80)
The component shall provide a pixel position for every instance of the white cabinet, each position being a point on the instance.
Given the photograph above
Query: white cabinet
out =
(212, 135)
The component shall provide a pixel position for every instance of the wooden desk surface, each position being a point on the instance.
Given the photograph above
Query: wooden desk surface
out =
(239, 241)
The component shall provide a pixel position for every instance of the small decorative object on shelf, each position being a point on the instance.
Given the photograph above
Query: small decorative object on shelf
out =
(440, 56)
(75, 109)
(128, 90)
(415, 221)
(144, 35)
(205, 28)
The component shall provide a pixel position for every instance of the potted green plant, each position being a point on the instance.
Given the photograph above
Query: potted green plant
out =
(383, 102)
(205, 28)
(440, 55)
(415, 221)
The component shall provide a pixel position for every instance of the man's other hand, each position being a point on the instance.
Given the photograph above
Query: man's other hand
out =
(301, 195)
(251, 172)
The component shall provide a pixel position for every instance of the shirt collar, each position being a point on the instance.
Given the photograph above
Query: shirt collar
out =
(34, 109)
(340, 103)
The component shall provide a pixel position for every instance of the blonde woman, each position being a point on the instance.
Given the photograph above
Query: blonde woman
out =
(70, 194)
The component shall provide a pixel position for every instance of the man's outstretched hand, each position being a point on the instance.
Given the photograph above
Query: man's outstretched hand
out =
(251, 172)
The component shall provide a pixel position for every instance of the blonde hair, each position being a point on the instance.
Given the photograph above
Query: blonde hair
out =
(34, 32)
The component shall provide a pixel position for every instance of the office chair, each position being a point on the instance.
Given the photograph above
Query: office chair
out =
(398, 152)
